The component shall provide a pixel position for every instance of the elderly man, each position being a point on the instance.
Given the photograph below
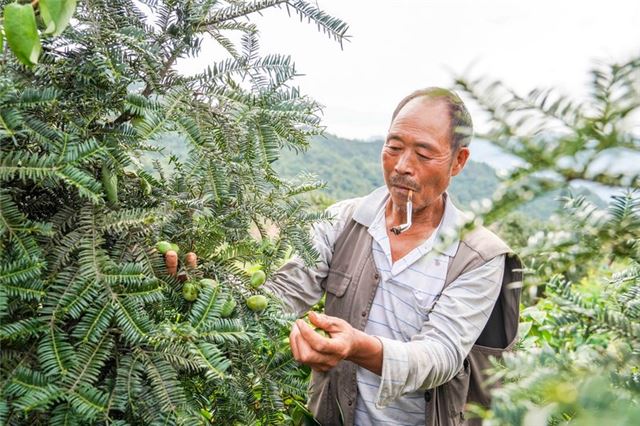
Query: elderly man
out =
(403, 311)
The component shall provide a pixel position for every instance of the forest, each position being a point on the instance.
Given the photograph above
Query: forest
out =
(110, 158)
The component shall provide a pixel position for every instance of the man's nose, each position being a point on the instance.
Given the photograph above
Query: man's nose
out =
(405, 165)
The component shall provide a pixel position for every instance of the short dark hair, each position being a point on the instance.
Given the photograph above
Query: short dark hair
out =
(460, 119)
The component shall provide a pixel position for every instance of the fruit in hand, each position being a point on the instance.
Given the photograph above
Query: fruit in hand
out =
(258, 278)
(189, 291)
(163, 246)
(257, 303)
(322, 332)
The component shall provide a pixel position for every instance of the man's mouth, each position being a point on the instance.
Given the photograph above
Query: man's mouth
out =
(406, 188)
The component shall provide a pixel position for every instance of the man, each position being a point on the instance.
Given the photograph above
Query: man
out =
(411, 322)
(403, 311)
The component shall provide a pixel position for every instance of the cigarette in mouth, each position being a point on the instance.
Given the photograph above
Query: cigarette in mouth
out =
(401, 228)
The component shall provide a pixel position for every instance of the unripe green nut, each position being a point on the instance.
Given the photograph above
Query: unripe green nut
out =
(257, 303)
(258, 278)
(163, 246)
(189, 292)
(228, 307)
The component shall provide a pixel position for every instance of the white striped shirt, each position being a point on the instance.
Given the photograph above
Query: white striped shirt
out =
(406, 293)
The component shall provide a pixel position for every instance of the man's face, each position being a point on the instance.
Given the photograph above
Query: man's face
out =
(417, 154)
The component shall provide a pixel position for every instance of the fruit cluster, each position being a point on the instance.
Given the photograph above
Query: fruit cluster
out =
(192, 288)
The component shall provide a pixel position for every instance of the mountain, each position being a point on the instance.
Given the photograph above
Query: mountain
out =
(351, 168)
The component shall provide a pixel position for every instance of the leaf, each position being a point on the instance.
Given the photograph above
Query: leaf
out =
(88, 401)
(211, 359)
(110, 184)
(55, 354)
(22, 32)
(56, 15)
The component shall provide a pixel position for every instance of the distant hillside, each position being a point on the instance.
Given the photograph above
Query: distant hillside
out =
(352, 168)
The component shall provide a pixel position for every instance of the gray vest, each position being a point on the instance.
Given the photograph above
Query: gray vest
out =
(350, 288)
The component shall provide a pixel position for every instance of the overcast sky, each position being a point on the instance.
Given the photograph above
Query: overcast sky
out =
(397, 46)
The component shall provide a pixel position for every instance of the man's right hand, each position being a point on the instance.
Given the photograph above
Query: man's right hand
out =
(322, 354)
(171, 261)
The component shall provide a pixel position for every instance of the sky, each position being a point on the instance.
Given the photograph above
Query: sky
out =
(397, 46)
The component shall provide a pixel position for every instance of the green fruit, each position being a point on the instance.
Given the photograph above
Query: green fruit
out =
(208, 282)
(175, 248)
(257, 303)
(110, 184)
(22, 32)
(322, 332)
(189, 292)
(56, 14)
(253, 268)
(145, 186)
(163, 246)
(258, 278)
(228, 307)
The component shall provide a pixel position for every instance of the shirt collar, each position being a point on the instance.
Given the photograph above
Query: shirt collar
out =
(449, 228)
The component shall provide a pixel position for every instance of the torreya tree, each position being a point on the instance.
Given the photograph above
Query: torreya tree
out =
(579, 354)
(93, 328)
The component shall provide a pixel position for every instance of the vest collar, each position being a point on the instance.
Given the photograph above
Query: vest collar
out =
(452, 220)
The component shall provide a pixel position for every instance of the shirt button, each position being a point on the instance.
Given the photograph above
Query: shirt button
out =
(350, 402)
(427, 396)
(364, 313)
(376, 276)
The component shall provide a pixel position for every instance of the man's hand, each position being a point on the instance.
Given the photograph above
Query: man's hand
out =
(322, 353)
(171, 263)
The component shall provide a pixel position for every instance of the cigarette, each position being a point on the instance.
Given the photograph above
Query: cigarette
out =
(400, 229)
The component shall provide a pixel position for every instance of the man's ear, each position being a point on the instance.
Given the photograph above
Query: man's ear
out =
(460, 160)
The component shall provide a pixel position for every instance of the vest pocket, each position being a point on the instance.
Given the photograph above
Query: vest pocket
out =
(337, 282)
(455, 393)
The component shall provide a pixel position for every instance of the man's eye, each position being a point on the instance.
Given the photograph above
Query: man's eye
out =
(424, 157)
(394, 148)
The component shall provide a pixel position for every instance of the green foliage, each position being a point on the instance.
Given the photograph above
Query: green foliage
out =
(93, 329)
(578, 355)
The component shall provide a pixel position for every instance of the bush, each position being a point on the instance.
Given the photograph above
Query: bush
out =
(93, 328)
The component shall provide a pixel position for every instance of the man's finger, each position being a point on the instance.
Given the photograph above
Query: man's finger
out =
(293, 342)
(303, 351)
(320, 320)
(326, 322)
(313, 339)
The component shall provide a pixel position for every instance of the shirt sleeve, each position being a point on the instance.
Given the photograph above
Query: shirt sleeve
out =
(299, 287)
(435, 355)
